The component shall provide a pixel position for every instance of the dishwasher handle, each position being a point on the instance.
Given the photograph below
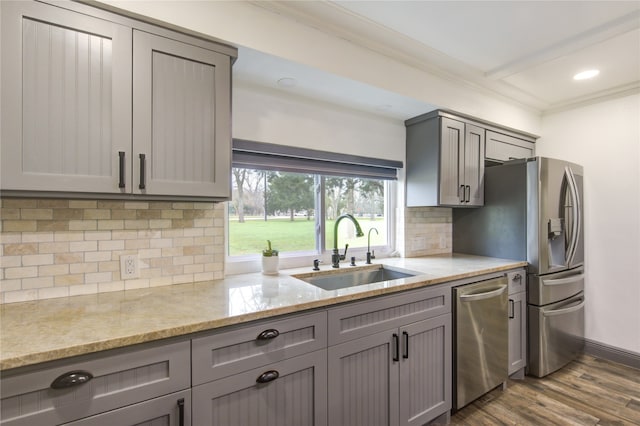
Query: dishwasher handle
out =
(482, 296)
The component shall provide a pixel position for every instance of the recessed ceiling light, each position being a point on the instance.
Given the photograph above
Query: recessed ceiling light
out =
(287, 82)
(585, 75)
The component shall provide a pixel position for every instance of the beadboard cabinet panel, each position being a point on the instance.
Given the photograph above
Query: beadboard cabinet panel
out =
(181, 107)
(66, 99)
(295, 394)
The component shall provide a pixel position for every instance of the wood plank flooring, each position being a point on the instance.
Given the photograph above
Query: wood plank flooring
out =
(588, 391)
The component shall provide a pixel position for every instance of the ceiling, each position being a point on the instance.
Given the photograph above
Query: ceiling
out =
(527, 51)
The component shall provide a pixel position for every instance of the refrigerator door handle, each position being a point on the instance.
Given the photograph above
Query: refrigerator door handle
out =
(575, 214)
(564, 311)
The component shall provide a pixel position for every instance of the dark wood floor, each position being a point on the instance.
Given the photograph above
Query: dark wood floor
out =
(589, 391)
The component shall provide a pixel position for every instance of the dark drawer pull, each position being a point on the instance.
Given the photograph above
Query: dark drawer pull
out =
(181, 412)
(71, 379)
(268, 376)
(271, 333)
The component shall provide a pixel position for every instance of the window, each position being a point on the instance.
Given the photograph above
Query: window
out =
(295, 205)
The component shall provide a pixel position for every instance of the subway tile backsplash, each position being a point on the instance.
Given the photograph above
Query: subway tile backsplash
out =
(56, 248)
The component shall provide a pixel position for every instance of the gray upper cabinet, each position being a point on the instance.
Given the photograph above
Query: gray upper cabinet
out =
(97, 103)
(181, 118)
(66, 101)
(445, 162)
(502, 147)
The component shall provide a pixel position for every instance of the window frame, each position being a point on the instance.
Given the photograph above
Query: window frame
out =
(249, 263)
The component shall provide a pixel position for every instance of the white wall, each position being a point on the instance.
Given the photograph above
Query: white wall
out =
(605, 139)
(245, 24)
(267, 116)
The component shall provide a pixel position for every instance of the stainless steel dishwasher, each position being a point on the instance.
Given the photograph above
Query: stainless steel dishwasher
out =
(481, 339)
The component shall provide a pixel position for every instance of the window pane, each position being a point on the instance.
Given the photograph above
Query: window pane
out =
(285, 216)
(364, 199)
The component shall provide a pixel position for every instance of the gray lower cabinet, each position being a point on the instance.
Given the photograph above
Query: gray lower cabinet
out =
(97, 103)
(517, 321)
(396, 377)
(81, 387)
(390, 359)
(445, 162)
(292, 392)
(169, 410)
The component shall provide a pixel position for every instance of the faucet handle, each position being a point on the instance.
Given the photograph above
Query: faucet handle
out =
(344, 255)
(316, 264)
(373, 254)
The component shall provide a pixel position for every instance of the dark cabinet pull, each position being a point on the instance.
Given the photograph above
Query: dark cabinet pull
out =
(269, 334)
(512, 309)
(396, 347)
(405, 336)
(71, 379)
(461, 196)
(181, 412)
(121, 162)
(142, 172)
(468, 192)
(267, 376)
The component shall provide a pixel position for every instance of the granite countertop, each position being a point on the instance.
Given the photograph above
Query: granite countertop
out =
(46, 330)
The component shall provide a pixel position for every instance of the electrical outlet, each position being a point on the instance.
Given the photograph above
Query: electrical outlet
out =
(129, 266)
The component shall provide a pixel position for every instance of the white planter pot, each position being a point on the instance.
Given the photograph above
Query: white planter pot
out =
(270, 265)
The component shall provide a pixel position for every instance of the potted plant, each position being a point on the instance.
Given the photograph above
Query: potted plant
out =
(270, 260)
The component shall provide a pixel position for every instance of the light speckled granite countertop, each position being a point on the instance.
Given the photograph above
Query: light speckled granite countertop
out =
(46, 330)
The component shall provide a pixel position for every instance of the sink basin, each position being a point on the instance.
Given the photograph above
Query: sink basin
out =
(337, 280)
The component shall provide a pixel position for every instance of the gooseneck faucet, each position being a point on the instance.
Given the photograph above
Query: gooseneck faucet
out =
(336, 257)
(370, 255)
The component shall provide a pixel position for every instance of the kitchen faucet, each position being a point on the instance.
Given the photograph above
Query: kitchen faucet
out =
(336, 257)
(369, 254)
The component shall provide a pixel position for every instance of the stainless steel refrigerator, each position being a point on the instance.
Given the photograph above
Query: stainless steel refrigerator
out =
(534, 211)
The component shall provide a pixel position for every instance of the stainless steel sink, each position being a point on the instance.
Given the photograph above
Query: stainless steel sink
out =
(337, 280)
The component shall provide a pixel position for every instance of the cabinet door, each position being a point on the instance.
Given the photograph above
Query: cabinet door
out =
(181, 118)
(474, 165)
(504, 147)
(66, 99)
(363, 381)
(425, 370)
(294, 394)
(451, 162)
(517, 332)
(169, 410)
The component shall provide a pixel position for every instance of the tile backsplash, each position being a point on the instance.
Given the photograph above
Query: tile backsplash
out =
(424, 231)
(54, 248)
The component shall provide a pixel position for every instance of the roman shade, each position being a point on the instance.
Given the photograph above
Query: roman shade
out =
(268, 156)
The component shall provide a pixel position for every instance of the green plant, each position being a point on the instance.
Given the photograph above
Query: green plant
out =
(268, 252)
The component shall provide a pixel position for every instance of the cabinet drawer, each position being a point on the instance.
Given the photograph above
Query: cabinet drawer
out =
(504, 147)
(362, 319)
(120, 378)
(231, 352)
(165, 410)
(290, 392)
(517, 281)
